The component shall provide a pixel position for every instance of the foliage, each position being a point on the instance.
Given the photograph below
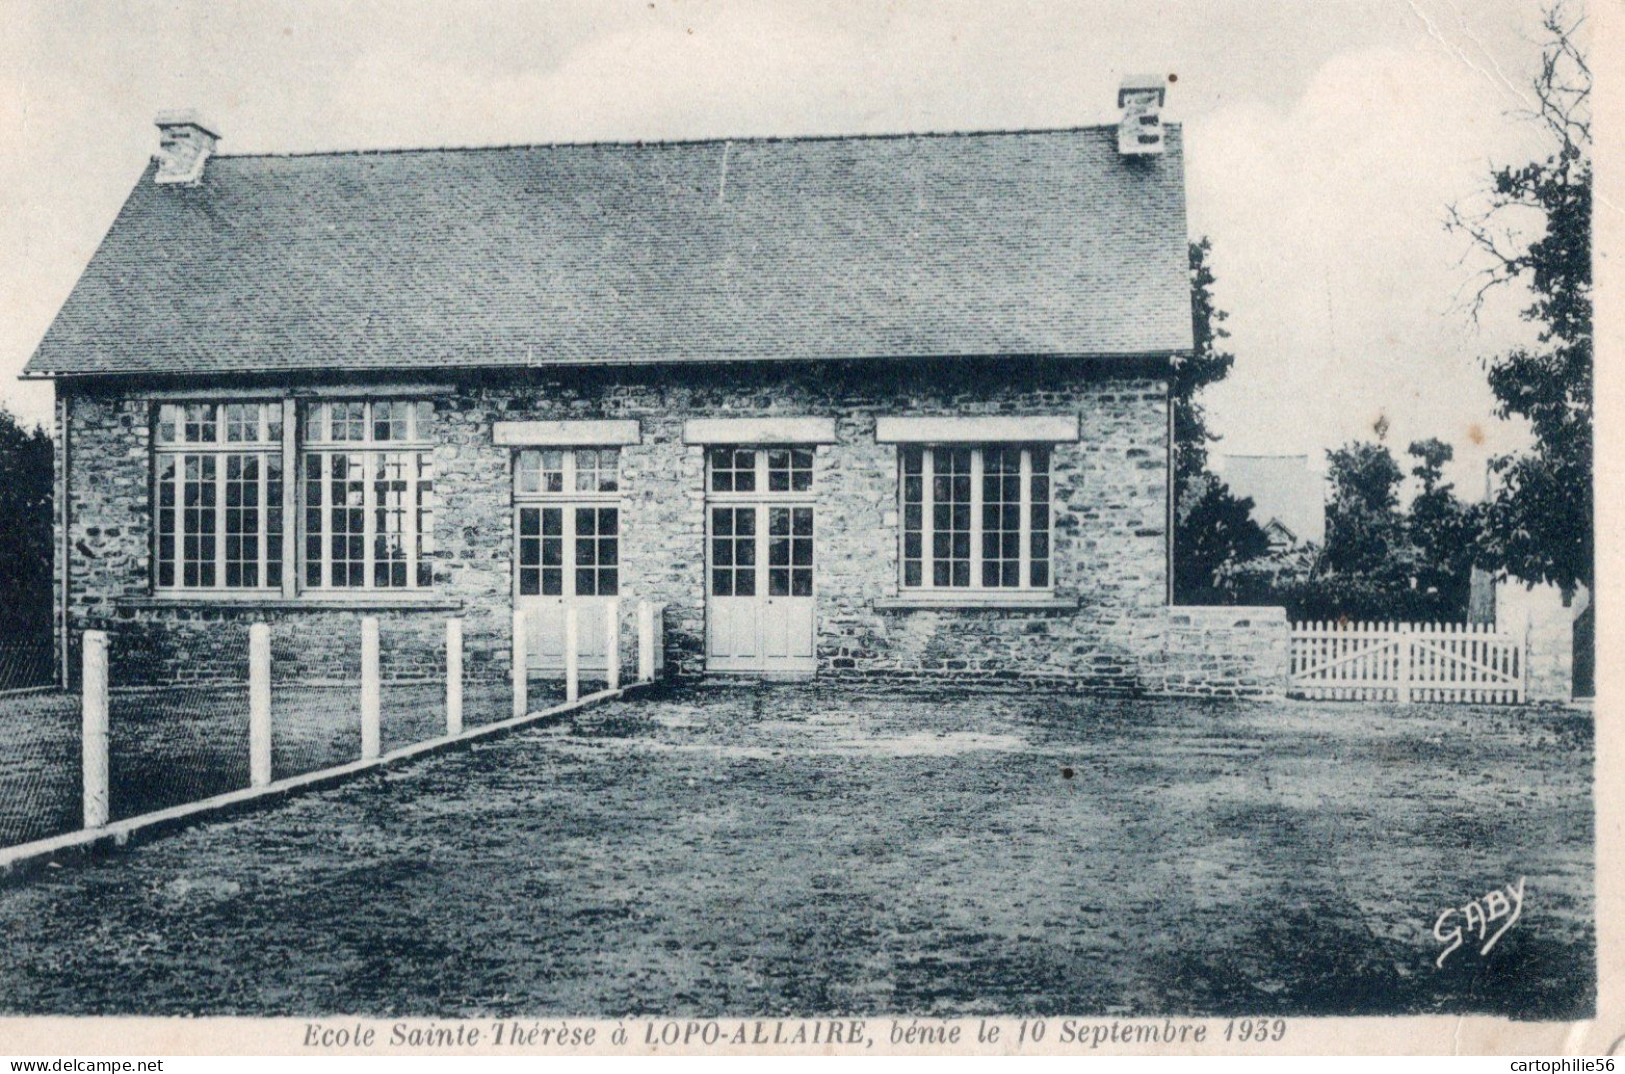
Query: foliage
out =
(1365, 531)
(1363, 570)
(1276, 577)
(1381, 561)
(1538, 526)
(1443, 531)
(25, 532)
(1215, 534)
(1214, 531)
(1206, 365)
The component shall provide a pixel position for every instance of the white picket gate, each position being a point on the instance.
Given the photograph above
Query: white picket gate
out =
(1407, 662)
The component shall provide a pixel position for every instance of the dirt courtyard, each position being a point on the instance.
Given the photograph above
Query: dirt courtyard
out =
(787, 850)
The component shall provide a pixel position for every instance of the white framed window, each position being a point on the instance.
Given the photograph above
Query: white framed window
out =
(760, 520)
(975, 518)
(774, 472)
(217, 496)
(575, 472)
(367, 494)
(569, 521)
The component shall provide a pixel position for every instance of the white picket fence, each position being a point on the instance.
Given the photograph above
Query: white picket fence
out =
(1405, 662)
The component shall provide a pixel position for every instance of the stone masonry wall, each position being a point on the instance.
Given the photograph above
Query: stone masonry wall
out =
(1539, 615)
(1223, 652)
(1108, 532)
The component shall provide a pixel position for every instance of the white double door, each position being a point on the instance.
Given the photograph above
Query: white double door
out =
(569, 557)
(760, 609)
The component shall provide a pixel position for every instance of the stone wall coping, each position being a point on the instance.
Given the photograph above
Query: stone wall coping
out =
(973, 604)
(1238, 614)
(236, 602)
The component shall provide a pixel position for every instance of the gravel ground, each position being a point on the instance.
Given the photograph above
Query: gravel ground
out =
(789, 850)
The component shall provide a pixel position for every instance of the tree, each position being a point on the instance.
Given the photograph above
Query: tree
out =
(1213, 530)
(1365, 532)
(1217, 536)
(1444, 533)
(25, 550)
(1365, 568)
(1380, 560)
(1535, 228)
(1206, 365)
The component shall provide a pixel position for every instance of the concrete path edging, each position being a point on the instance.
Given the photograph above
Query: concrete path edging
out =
(25, 858)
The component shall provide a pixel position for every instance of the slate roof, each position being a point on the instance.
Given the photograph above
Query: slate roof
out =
(1017, 243)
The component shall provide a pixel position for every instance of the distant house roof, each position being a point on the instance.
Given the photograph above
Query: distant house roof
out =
(1283, 489)
(1026, 243)
(1277, 532)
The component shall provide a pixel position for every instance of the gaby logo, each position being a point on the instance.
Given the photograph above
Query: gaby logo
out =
(1476, 917)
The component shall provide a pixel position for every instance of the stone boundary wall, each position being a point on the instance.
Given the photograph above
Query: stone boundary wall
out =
(1540, 615)
(1223, 652)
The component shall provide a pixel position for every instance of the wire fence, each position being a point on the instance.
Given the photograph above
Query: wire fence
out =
(165, 738)
(26, 665)
(170, 740)
(39, 766)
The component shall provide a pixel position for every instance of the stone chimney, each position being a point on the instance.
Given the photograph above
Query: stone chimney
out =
(1139, 133)
(185, 142)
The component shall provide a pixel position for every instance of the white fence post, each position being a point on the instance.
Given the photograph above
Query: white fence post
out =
(521, 682)
(259, 704)
(612, 644)
(1523, 663)
(454, 676)
(93, 696)
(657, 637)
(371, 690)
(572, 654)
(1407, 665)
(646, 641)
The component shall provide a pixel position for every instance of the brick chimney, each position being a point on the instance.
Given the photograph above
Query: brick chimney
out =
(185, 142)
(1139, 133)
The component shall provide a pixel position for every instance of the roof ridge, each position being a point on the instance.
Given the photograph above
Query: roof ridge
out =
(655, 142)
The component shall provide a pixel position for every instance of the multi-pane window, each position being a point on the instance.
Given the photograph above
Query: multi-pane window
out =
(789, 469)
(568, 548)
(549, 471)
(733, 551)
(789, 551)
(976, 518)
(760, 544)
(1001, 517)
(597, 551)
(597, 469)
(368, 494)
(217, 491)
(365, 484)
(733, 469)
(541, 551)
(750, 470)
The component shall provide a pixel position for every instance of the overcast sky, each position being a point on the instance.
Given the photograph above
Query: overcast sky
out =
(1323, 142)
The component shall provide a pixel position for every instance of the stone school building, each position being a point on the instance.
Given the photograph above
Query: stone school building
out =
(888, 407)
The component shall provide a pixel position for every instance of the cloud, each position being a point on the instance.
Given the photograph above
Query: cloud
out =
(1345, 289)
